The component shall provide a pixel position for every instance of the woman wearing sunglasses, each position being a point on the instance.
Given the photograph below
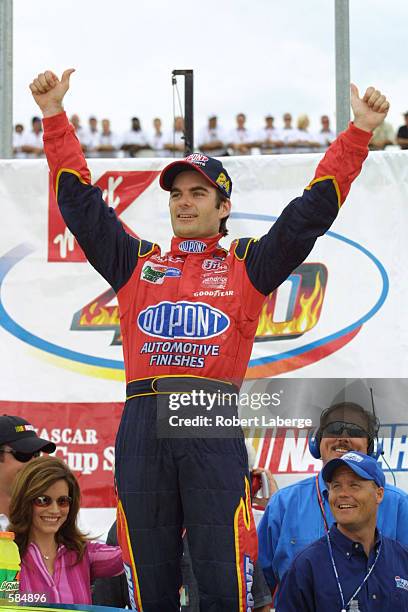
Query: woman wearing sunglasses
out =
(56, 558)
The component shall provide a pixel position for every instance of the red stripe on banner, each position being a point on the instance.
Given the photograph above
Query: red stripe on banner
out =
(85, 437)
(300, 361)
(266, 442)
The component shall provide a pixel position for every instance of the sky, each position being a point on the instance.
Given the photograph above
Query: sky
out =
(256, 57)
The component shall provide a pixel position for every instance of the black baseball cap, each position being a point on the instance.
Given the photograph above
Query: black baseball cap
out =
(20, 435)
(209, 167)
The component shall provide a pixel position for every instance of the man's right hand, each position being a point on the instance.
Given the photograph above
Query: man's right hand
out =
(49, 91)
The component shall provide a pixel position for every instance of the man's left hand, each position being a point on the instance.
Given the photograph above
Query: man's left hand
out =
(369, 111)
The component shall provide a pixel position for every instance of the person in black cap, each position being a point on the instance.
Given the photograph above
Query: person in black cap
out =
(354, 566)
(18, 444)
(188, 320)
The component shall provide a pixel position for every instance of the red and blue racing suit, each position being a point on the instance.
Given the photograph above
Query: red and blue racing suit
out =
(191, 315)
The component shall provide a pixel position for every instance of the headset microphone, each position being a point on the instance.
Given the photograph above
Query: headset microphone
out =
(380, 449)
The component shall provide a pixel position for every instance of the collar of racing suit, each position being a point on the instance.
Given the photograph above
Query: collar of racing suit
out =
(196, 246)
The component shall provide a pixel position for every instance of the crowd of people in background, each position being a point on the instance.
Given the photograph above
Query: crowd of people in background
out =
(360, 515)
(101, 141)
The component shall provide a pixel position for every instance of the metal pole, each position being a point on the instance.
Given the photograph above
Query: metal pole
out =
(188, 109)
(342, 64)
(189, 112)
(6, 78)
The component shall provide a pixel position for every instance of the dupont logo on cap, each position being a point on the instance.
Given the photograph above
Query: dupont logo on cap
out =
(211, 168)
(197, 158)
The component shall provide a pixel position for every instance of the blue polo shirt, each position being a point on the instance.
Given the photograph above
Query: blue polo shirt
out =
(310, 584)
(293, 520)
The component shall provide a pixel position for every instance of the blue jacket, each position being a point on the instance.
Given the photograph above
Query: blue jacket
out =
(293, 520)
(310, 584)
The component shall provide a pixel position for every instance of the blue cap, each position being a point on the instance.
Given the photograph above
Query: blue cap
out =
(364, 466)
(211, 168)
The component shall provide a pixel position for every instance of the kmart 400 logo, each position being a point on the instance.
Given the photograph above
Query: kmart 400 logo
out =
(288, 312)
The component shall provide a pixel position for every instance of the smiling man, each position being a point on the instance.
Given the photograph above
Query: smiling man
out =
(354, 566)
(188, 320)
(299, 514)
(196, 208)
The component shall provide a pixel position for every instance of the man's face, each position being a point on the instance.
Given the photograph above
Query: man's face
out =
(135, 124)
(353, 500)
(241, 120)
(212, 123)
(93, 124)
(333, 446)
(37, 127)
(105, 126)
(325, 122)
(269, 122)
(193, 206)
(9, 468)
(287, 119)
(157, 124)
(179, 124)
(75, 121)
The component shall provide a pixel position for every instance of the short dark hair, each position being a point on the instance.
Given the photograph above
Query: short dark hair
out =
(223, 223)
(354, 413)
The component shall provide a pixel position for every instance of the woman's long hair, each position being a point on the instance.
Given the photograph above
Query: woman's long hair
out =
(31, 482)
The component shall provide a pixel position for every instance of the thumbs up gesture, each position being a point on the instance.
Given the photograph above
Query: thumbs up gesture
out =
(49, 91)
(370, 110)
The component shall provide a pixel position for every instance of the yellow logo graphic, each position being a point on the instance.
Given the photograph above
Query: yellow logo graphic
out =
(222, 181)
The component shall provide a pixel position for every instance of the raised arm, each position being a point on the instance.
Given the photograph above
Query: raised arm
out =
(107, 246)
(271, 259)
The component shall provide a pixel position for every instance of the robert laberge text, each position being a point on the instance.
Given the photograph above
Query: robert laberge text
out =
(235, 421)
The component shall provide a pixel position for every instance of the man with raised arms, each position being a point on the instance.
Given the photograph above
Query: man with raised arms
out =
(199, 482)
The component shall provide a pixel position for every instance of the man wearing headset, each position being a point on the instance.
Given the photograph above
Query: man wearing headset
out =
(299, 514)
(353, 566)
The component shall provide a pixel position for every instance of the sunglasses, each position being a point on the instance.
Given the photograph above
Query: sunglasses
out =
(43, 501)
(21, 457)
(338, 428)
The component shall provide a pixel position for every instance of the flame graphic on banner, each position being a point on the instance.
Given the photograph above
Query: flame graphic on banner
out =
(305, 320)
(98, 315)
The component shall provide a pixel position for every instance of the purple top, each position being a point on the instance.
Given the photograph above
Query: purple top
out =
(71, 582)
